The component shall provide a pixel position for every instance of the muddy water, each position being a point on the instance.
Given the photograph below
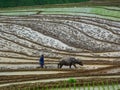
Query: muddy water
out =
(18, 66)
(29, 73)
(94, 66)
(116, 70)
(32, 66)
(15, 60)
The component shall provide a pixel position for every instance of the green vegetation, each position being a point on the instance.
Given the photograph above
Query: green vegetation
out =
(79, 10)
(15, 3)
(111, 13)
(72, 84)
(72, 80)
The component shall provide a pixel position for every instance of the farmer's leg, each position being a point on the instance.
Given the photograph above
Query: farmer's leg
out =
(41, 65)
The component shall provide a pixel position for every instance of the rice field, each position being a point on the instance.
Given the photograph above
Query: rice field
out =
(90, 33)
(70, 84)
(100, 11)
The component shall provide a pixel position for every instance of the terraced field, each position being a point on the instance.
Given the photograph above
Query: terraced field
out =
(91, 34)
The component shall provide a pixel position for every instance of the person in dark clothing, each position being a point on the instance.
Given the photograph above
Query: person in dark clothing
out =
(41, 61)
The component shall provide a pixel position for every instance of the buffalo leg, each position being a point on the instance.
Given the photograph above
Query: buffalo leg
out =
(74, 65)
(61, 66)
(70, 66)
(58, 66)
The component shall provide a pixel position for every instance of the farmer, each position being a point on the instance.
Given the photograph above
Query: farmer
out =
(41, 61)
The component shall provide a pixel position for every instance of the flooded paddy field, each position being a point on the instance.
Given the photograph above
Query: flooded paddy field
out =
(19, 74)
(16, 73)
(52, 66)
(89, 82)
(91, 34)
(100, 87)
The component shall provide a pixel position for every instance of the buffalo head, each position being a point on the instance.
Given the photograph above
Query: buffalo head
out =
(79, 62)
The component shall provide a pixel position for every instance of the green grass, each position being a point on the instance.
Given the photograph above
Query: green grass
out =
(72, 80)
(86, 10)
(104, 12)
(99, 11)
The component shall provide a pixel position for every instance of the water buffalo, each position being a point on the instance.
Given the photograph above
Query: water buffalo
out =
(69, 61)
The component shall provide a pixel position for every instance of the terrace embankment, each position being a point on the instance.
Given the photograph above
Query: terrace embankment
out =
(94, 40)
(87, 38)
(43, 75)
